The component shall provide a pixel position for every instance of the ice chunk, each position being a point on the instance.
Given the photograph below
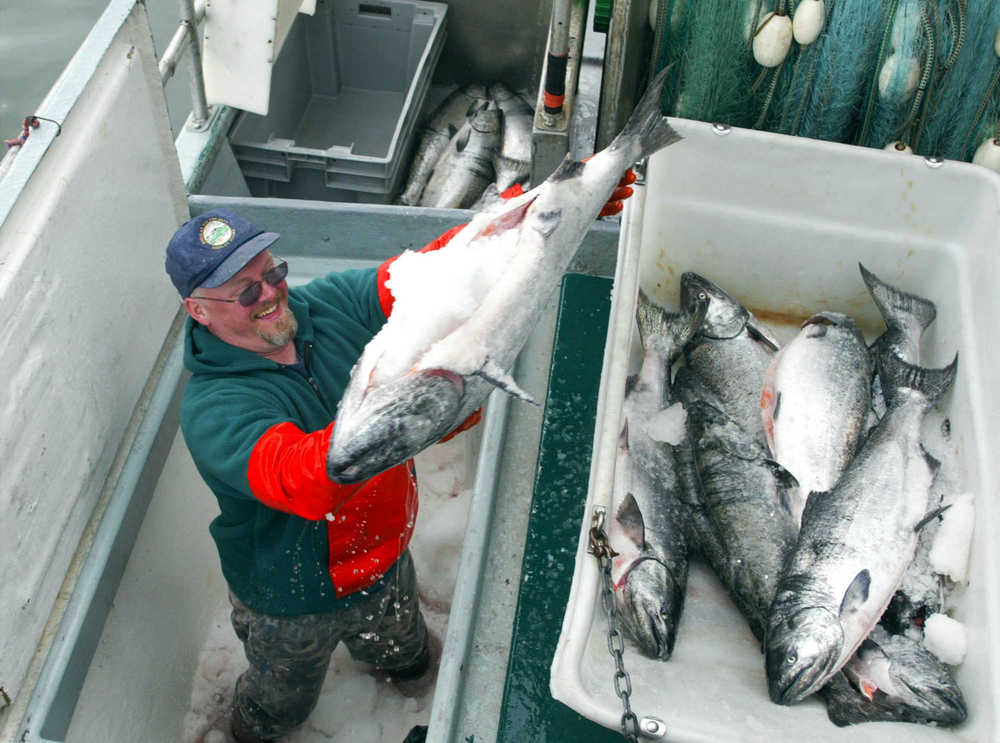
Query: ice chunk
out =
(950, 551)
(667, 425)
(946, 638)
(435, 292)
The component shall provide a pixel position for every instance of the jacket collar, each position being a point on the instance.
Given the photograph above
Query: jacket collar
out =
(204, 353)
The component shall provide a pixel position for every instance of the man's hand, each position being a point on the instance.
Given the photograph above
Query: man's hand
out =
(621, 192)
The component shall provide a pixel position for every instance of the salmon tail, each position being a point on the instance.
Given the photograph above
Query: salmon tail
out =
(676, 329)
(897, 375)
(898, 308)
(651, 318)
(647, 129)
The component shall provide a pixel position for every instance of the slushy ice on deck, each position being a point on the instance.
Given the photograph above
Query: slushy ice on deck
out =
(781, 224)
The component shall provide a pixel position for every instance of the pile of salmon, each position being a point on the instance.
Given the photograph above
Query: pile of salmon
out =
(804, 476)
(475, 145)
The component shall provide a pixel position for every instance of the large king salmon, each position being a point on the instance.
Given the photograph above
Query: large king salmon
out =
(434, 363)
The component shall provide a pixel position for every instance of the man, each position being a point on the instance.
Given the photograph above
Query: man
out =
(309, 562)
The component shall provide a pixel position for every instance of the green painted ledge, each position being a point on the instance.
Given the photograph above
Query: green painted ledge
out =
(528, 711)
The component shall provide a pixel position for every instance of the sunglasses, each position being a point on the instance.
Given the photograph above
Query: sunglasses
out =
(251, 294)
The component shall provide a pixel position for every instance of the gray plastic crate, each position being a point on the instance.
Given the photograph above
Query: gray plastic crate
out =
(346, 91)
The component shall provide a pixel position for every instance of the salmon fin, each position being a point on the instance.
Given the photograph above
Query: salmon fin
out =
(496, 375)
(623, 437)
(897, 375)
(930, 517)
(896, 306)
(630, 517)
(788, 484)
(932, 462)
(868, 689)
(508, 219)
(857, 593)
(785, 478)
(760, 332)
(630, 382)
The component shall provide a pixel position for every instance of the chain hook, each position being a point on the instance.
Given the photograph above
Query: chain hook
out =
(599, 546)
(601, 549)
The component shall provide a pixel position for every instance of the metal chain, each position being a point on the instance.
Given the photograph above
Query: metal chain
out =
(600, 548)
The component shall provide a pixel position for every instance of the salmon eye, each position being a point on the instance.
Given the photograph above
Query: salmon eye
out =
(792, 659)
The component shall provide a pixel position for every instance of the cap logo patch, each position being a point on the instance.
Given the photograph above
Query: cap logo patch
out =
(217, 233)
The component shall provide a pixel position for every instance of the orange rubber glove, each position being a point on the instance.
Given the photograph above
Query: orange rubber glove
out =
(621, 192)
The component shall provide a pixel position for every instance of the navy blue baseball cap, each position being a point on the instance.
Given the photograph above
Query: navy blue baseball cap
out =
(212, 248)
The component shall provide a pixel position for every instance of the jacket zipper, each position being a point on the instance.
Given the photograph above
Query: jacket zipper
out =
(306, 357)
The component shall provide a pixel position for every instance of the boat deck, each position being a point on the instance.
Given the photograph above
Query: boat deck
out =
(528, 711)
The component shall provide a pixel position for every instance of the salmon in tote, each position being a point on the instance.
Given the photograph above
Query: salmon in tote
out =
(855, 542)
(648, 529)
(815, 402)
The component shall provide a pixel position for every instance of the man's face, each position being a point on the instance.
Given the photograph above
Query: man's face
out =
(265, 327)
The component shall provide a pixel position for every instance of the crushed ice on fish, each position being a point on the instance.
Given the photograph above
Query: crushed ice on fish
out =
(436, 292)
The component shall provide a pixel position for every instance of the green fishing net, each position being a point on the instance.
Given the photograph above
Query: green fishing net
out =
(922, 74)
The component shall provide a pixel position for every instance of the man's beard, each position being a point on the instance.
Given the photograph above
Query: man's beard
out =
(283, 332)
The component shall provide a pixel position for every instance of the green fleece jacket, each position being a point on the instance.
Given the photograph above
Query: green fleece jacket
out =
(258, 433)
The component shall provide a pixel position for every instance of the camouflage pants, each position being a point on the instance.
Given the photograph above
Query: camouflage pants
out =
(289, 656)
